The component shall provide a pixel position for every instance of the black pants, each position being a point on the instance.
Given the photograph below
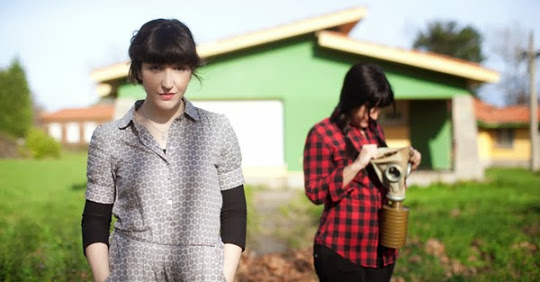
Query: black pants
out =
(331, 267)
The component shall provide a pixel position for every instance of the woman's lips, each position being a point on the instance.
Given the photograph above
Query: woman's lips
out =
(166, 96)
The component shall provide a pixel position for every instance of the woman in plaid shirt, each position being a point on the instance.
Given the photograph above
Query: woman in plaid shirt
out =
(336, 172)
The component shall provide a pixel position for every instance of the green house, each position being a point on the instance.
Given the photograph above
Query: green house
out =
(274, 84)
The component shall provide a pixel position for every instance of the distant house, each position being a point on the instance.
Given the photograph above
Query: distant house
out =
(274, 84)
(503, 134)
(74, 127)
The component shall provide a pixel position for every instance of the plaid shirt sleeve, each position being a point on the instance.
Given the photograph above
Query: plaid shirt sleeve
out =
(322, 175)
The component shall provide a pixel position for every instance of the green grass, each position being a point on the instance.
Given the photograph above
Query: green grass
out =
(489, 231)
(41, 206)
(471, 231)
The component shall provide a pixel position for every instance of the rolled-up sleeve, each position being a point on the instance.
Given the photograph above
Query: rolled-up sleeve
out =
(229, 165)
(100, 187)
(323, 180)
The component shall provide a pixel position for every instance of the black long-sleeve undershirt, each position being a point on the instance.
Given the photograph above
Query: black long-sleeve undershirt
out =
(234, 217)
(96, 222)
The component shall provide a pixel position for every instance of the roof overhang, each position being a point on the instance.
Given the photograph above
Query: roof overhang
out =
(332, 32)
(342, 22)
(425, 60)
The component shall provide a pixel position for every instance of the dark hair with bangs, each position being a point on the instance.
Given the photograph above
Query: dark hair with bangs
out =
(364, 84)
(162, 41)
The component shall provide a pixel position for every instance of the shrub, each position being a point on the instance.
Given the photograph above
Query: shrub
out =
(8, 146)
(40, 145)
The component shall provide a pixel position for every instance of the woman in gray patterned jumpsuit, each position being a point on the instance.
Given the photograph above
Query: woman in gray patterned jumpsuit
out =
(168, 171)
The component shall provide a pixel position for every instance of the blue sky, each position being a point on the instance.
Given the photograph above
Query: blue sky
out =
(59, 42)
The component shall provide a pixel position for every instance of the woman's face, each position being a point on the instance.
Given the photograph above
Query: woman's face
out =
(165, 85)
(360, 116)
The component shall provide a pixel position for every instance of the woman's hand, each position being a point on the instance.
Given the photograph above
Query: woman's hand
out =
(415, 158)
(368, 152)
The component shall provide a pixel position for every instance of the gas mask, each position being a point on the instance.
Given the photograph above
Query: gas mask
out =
(392, 167)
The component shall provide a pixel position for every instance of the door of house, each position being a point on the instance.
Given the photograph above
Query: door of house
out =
(259, 127)
(431, 133)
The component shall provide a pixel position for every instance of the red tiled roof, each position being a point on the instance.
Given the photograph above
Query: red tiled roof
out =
(486, 113)
(96, 112)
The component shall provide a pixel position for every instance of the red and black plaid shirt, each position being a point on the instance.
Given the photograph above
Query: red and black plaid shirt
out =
(349, 224)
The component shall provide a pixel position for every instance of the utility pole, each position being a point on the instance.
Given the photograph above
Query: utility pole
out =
(533, 130)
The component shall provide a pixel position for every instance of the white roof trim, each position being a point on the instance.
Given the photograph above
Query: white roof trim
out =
(336, 19)
(430, 61)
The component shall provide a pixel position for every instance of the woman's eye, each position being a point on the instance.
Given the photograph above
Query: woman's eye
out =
(180, 68)
(154, 67)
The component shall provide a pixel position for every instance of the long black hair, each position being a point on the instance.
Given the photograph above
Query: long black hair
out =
(364, 84)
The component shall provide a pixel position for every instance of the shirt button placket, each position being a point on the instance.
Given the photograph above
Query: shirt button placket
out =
(170, 188)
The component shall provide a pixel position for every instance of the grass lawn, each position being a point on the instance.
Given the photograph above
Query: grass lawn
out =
(486, 231)
(41, 207)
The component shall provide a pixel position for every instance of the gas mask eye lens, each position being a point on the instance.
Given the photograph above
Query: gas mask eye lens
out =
(393, 173)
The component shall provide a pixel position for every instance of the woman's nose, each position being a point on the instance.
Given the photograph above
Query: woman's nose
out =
(167, 81)
(374, 113)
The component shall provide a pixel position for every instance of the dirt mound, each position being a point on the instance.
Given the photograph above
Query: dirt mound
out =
(294, 265)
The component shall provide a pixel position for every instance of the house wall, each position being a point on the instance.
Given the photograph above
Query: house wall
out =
(71, 133)
(485, 143)
(492, 155)
(397, 136)
(307, 79)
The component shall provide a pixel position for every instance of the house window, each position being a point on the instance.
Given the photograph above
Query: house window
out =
(55, 131)
(73, 133)
(504, 137)
(387, 116)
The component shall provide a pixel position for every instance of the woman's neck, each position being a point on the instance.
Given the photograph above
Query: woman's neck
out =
(161, 116)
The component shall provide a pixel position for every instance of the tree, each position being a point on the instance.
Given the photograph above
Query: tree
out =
(449, 39)
(509, 46)
(16, 111)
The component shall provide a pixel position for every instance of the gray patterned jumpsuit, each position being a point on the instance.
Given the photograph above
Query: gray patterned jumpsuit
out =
(167, 204)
